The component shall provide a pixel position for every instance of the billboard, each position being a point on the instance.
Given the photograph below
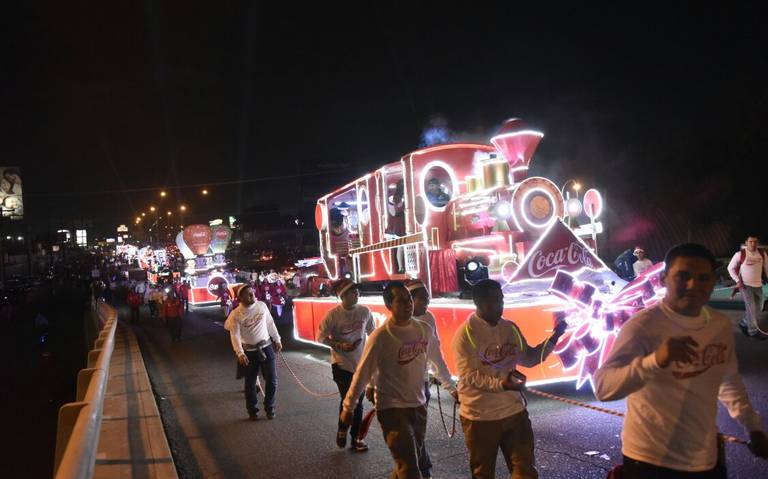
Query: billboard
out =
(10, 193)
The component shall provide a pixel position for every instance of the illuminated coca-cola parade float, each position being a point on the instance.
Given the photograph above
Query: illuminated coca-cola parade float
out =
(453, 214)
(203, 249)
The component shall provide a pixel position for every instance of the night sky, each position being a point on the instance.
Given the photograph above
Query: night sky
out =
(664, 107)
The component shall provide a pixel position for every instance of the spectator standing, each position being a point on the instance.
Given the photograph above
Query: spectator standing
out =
(642, 264)
(747, 268)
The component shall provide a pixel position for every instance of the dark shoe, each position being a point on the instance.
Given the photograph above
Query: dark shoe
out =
(270, 413)
(759, 336)
(743, 329)
(358, 445)
(341, 438)
(253, 416)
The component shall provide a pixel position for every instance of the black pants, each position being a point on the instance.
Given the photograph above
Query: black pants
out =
(343, 380)
(134, 314)
(174, 327)
(633, 469)
(185, 303)
(425, 463)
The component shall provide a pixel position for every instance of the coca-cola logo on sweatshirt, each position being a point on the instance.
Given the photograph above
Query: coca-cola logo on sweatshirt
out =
(497, 353)
(410, 351)
(706, 357)
(347, 329)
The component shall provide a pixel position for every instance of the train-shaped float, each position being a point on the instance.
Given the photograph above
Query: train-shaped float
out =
(453, 214)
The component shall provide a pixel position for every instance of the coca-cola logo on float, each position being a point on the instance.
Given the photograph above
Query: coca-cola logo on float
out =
(558, 249)
(542, 263)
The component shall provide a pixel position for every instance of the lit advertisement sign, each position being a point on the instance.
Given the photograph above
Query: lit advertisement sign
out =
(10, 193)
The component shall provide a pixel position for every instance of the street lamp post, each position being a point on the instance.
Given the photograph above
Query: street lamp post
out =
(566, 193)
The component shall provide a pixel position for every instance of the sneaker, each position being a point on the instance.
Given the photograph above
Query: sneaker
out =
(341, 438)
(271, 413)
(358, 445)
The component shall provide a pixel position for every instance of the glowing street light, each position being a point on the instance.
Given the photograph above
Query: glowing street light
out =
(205, 192)
(163, 193)
(151, 208)
(577, 186)
(143, 214)
(169, 213)
(183, 208)
(138, 218)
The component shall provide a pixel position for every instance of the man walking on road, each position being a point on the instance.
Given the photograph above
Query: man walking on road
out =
(397, 353)
(672, 362)
(746, 268)
(421, 299)
(493, 408)
(256, 343)
(344, 329)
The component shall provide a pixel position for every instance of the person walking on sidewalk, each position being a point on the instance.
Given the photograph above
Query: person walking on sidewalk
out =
(492, 403)
(747, 268)
(345, 329)
(421, 299)
(256, 343)
(673, 361)
(397, 353)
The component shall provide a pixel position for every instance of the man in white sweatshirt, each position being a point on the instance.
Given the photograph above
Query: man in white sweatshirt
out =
(344, 329)
(396, 356)
(421, 299)
(746, 268)
(493, 408)
(672, 362)
(256, 343)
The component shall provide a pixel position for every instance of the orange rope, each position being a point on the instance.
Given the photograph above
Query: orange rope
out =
(573, 402)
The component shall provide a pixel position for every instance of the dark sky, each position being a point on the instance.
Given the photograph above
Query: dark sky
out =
(662, 106)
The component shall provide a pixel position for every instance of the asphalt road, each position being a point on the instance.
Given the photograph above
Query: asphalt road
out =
(206, 423)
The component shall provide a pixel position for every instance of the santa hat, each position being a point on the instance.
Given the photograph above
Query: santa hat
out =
(413, 284)
(343, 285)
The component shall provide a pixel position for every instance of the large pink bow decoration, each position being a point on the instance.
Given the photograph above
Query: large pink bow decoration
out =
(594, 319)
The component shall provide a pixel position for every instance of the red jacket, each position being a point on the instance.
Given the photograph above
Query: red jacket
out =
(172, 309)
(134, 300)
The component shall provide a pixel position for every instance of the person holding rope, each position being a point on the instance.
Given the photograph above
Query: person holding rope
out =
(672, 362)
(256, 343)
(492, 404)
(344, 329)
(421, 299)
(396, 354)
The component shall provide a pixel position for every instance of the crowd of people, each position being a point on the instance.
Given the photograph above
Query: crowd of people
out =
(672, 361)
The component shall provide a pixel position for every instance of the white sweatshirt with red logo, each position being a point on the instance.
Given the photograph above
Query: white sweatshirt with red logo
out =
(485, 355)
(349, 326)
(440, 365)
(396, 357)
(671, 412)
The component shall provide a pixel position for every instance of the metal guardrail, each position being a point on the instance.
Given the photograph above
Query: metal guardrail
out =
(77, 435)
